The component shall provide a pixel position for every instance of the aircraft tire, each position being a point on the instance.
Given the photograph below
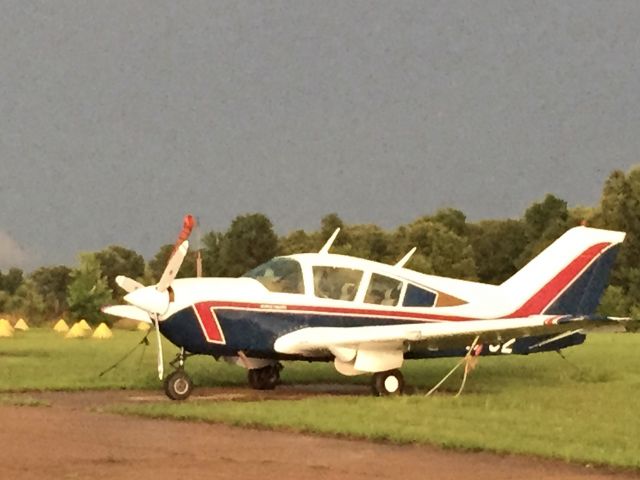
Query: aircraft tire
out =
(387, 383)
(265, 378)
(178, 385)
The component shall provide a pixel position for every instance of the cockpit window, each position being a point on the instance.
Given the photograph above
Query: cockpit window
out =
(418, 297)
(282, 275)
(383, 290)
(336, 283)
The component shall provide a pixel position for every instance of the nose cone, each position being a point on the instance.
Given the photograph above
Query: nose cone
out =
(149, 299)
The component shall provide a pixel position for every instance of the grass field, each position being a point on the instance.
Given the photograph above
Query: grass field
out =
(41, 359)
(584, 409)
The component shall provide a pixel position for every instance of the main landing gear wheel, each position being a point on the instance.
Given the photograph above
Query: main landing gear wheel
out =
(387, 383)
(178, 385)
(265, 378)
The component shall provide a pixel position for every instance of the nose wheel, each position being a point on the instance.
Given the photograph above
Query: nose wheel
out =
(178, 385)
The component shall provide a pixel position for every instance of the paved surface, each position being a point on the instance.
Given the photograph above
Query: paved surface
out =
(70, 440)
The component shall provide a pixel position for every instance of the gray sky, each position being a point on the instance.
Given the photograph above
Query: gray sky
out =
(117, 117)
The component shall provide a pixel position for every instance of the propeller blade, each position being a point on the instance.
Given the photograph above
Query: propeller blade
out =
(127, 311)
(173, 265)
(160, 357)
(128, 284)
(149, 299)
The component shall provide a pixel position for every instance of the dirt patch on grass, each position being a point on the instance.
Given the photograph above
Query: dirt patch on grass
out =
(71, 439)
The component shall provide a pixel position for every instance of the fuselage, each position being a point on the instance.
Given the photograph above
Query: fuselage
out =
(224, 316)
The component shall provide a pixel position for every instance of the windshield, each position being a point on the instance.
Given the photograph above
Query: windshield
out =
(282, 275)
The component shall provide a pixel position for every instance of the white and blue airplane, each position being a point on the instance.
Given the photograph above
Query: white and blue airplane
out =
(368, 317)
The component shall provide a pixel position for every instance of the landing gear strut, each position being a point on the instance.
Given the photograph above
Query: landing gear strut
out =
(265, 378)
(387, 383)
(178, 385)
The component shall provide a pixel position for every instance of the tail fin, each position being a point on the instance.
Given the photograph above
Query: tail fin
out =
(568, 278)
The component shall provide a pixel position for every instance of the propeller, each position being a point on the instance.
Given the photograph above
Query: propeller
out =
(154, 301)
(128, 284)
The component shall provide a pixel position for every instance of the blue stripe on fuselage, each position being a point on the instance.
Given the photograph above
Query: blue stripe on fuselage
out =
(254, 332)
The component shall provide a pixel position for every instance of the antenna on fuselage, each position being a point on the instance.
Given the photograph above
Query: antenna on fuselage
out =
(327, 246)
(406, 258)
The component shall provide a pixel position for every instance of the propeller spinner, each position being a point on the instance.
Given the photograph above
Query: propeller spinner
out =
(155, 299)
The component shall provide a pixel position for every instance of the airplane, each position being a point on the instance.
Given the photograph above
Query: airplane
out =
(368, 317)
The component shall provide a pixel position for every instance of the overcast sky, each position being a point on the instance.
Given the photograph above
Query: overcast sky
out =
(117, 117)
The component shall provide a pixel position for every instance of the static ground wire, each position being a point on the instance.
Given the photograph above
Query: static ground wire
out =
(141, 342)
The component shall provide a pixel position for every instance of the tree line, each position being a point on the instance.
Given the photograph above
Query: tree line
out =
(488, 251)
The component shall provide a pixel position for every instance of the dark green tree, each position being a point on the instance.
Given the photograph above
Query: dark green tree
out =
(615, 302)
(88, 290)
(364, 241)
(211, 266)
(158, 263)
(328, 225)
(52, 283)
(453, 219)
(27, 302)
(544, 222)
(11, 281)
(620, 210)
(298, 241)
(249, 242)
(116, 260)
(440, 251)
(497, 245)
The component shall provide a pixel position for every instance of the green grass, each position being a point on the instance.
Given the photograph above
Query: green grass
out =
(583, 410)
(20, 400)
(41, 359)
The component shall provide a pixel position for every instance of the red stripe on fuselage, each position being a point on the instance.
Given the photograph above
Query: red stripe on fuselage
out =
(209, 322)
(305, 309)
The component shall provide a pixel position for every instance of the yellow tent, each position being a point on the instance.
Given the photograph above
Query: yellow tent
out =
(76, 331)
(61, 326)
(5, 329)
(83, 324)
(21, 325)
(143, 326)
(4, 323)
(102, 332)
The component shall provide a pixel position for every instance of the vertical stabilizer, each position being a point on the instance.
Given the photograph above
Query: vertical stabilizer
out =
(568, 277)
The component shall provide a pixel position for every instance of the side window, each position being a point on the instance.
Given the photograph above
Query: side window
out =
(336, 283)
(418, 297)
(383, 290)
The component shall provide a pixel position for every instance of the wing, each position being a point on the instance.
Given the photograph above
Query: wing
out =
(348, 343)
